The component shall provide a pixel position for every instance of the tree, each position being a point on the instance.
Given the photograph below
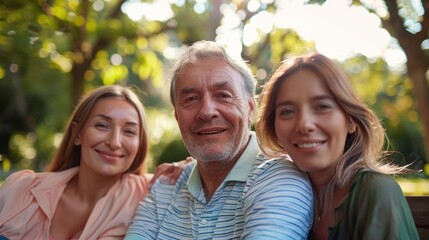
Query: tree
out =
(51, 47)
(412, 41)
(401, 18)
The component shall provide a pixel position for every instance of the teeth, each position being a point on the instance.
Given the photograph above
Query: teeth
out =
(308, 145)
(210, 132)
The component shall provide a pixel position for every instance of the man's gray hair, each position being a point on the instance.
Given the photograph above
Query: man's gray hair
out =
(206, 49)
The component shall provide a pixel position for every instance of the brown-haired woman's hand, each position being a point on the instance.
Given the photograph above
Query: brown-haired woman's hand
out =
(171, 171)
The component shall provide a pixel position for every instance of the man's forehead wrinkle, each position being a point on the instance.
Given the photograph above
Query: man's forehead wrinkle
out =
(220, 77)
(206, 74)
(222, 73)
(187, 90)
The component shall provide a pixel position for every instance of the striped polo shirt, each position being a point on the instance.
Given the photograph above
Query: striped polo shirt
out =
(261, 198)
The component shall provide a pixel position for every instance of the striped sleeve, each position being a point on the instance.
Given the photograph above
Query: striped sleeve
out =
(145, 224)
(150, 215)
(278, 202)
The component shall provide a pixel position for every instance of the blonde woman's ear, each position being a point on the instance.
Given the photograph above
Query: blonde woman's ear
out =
(76, 141)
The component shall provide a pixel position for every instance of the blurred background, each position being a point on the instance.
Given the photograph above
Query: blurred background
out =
(53, 51)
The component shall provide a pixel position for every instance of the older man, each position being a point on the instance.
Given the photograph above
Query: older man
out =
(232, 191)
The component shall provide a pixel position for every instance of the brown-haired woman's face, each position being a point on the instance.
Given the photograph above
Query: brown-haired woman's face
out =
(110, 138)
(309, 123)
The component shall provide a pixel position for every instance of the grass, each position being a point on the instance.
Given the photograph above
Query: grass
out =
(414, 186)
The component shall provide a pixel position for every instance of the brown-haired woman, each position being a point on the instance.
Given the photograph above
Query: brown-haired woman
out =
(310, 111)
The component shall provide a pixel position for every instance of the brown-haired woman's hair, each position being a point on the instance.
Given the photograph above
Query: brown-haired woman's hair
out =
(363, 148)
(68, 154)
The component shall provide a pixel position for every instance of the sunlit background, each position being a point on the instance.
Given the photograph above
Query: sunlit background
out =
(51, 54)
(338, 29)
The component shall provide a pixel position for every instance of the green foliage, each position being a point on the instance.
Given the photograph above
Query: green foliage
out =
(48, 48)
(165, 141)
(172, 152)
(190, 26)
(414, 186)
(387, 93)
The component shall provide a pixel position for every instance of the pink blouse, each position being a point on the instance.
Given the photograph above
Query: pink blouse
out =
(28, 201)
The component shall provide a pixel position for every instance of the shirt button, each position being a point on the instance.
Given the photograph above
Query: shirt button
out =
(203, 221)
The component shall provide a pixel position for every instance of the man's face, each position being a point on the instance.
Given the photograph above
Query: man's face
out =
(213, 110)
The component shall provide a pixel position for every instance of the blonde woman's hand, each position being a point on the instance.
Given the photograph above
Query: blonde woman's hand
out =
(170, 171)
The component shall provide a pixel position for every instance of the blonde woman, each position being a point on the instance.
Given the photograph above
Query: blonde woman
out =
(94, 182)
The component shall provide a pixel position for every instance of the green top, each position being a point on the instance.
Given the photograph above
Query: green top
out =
(374, 209)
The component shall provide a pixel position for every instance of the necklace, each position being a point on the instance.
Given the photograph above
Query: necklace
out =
(319, 211)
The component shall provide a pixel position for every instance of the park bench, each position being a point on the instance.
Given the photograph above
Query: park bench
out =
(419, 206)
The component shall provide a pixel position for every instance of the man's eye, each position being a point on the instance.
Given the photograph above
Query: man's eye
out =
(190, 99)
(224, 95)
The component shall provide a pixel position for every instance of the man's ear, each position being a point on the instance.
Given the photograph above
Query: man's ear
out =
(252, 109)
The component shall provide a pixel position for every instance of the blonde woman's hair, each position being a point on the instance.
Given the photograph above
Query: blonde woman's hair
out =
(68, 154)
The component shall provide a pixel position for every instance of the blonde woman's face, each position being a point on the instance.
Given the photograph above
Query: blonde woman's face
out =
(309, 123)
(110, 138)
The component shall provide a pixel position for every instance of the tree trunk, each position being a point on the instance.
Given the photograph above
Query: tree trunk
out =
(84, 53)
(78, 73)
(417, 67)
(417, 61)
(215, 17)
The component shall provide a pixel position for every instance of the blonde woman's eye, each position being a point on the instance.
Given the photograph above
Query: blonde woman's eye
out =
(131, 132)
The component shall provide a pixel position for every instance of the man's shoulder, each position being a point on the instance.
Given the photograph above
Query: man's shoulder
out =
(275, 180)
(267, 171)
(264, 164)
